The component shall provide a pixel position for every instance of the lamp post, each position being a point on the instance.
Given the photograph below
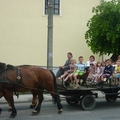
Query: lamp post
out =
(50, 36)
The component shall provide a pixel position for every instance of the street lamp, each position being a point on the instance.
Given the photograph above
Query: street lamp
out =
(50, 36)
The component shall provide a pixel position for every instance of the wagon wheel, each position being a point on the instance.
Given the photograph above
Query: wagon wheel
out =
(73, 100)
(88, 102)
(111, 98)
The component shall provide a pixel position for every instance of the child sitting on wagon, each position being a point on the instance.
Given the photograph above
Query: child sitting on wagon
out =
(67, 74)
(103, 64)
(79, 71)
(98, 73)
(106, 73)
(117, 73)
(92, 70)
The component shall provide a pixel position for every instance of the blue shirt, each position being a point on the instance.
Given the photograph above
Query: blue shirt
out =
(80, 66)
(108, 70)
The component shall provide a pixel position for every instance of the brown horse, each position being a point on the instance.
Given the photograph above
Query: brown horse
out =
(30, 79)
(34, 94)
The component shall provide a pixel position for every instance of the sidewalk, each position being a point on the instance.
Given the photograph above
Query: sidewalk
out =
(26, 98)
(47, 97)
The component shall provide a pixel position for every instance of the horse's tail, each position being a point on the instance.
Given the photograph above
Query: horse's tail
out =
(57, 97)
(55, 84)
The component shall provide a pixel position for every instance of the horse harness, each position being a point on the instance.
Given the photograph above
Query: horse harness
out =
(6, 80)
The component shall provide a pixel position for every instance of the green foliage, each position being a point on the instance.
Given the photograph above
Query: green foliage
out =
(103, 34)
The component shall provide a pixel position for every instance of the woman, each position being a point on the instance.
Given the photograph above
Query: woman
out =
(91, 60)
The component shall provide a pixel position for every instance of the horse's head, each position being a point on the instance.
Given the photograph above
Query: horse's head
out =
(2, 66)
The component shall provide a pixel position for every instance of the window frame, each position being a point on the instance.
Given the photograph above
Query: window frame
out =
(59, 8)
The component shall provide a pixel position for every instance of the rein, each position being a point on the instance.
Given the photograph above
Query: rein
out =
(8, 81)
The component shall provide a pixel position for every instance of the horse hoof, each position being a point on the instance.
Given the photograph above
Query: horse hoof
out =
(32, 106)
(9, 109)
(0, 110)
(13, 115)
(35, 112)
(60, 111)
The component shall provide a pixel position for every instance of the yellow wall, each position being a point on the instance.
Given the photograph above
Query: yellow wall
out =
(23, 31)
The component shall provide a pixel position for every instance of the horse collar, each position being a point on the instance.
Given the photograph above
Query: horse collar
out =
(18, 75)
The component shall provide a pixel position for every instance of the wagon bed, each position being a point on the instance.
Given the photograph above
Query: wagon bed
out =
(85, 95)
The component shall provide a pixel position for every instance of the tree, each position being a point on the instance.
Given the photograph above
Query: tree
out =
(103, 34)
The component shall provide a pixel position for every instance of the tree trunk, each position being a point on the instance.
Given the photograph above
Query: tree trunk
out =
(114, 57)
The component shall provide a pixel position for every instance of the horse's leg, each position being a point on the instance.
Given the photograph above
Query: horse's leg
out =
(34, 100)
(0, 110)
(59, 105)
(11, 100)
(1, 95)
(9, 105)
(14, 112)
(56, 98)
(40, 99)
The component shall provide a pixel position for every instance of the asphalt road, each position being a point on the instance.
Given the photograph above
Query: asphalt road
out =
(102, 111)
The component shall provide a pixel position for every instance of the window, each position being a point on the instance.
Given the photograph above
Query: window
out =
(56, 7)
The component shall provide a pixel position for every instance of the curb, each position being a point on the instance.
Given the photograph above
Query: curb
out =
(24, 98)
(28, 98)
(47, 97)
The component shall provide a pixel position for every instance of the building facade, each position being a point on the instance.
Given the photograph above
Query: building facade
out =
(23, 30)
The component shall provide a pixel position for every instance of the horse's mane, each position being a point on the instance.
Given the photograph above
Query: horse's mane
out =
(6, 66)
(2, 65)
(10, 67)
(24, 65)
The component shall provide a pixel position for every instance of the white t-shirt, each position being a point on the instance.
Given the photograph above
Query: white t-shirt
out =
(88, 63)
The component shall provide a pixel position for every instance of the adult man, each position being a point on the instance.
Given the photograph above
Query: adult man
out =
(65, 67)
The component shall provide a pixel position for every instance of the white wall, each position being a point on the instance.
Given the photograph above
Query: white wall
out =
(23, 31)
